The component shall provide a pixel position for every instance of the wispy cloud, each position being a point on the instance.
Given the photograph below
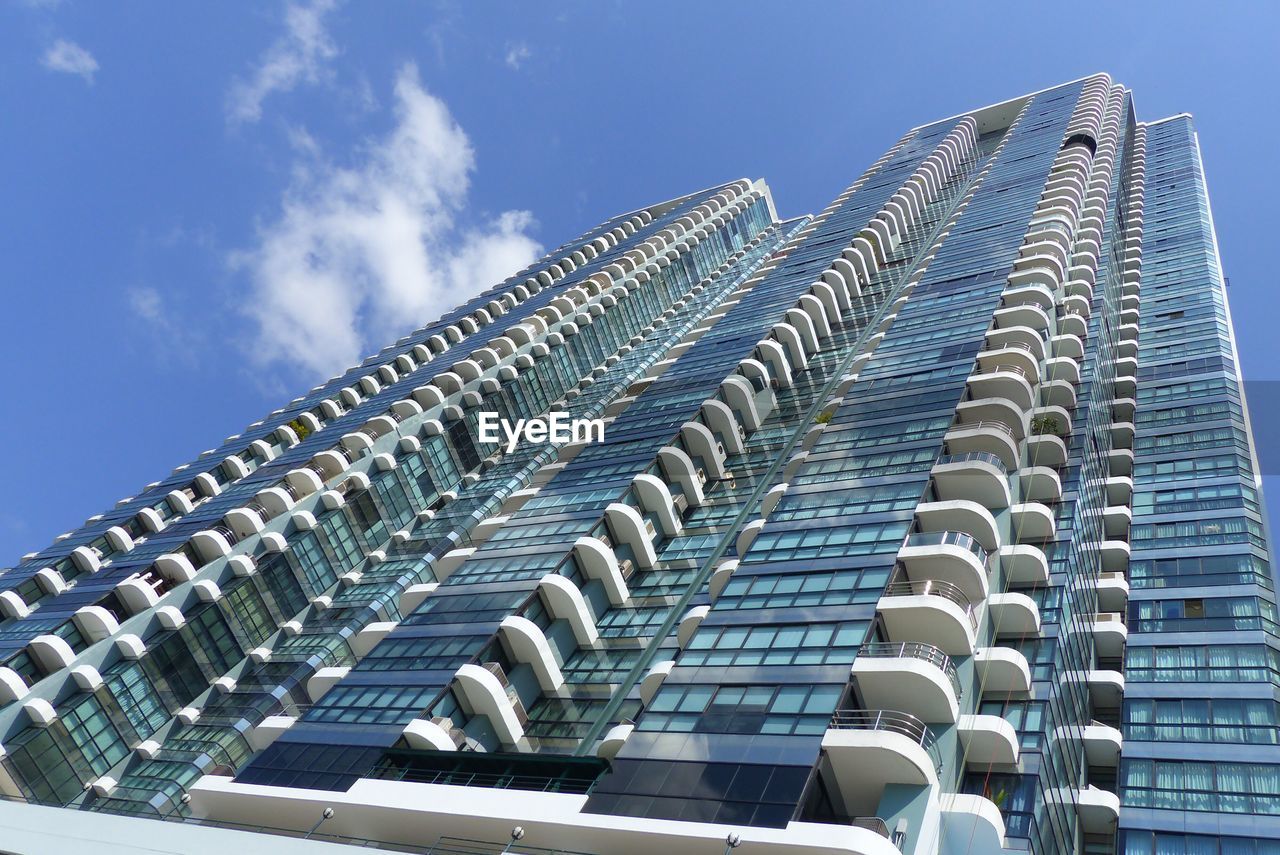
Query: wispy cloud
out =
(517, 53)
(300, 55)
(362, 253)
(69, 58)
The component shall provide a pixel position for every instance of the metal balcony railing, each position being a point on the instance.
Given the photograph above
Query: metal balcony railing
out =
(997, 426)
(889, 721)
(914, 650)
(934, 588)
(948, 538)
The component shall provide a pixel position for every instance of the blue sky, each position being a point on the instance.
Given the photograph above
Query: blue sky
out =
(208, 208)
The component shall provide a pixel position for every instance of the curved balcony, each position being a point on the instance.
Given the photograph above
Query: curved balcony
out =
(993, 410)
(1122, 434)
(1058, 393)
(988, 740)
(1106, 688)
(963, 515)
(1123, 409)
(1013, 615)
(984, 437)
(870, 749)
(1027, 315)
(1119, 489)
(1120, 461)
(971, 823)
(912, 676)
(976, 475)
(1115, 556)
(1112, 591)
(1012, 354)
(1040, 484)
(1002, 670)
(947, 556)
(1074, 323)
(1125, 387)
(1061, 368)
(1003, 381)
(1116, 520)
(1102, 744)
(1097, 809)
(930, 611)
(1046, 449)
(1024, 564)
(1031, 521)
(1017, 336)
(1031, 288)
(1109, 634)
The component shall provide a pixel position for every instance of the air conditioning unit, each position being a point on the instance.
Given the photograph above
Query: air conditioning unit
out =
(627, 567)
(702, 476)
(742, 433)
(681, 503)
(720, 448)
(648, 527)
(773, 383)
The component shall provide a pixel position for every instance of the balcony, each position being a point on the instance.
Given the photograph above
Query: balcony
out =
(959, 515)
(1061, 368)
(947, 556)
(1115, 556)
(1026, 337)
(1013, 615)
(1120, 461)
(1097, 809)
(1012, 355)
(1102, 744)
(1031, 521)
(1011, 382)
(1116, 520)
(1109, 634)
(1032, 290)
(976, 475)
(1028, 315)
(1046, 449)
(1002, 670)
(1058, 393)
(1003, 410)
(912, 676)
(871, 749)
(984, 437)
(930, 611)
(1106, 688)
(1024, 564)
(1040, 484)
(1073, 322)
(988, 740)
(1113, 592)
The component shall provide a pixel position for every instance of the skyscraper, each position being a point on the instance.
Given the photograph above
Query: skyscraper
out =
(926, 524)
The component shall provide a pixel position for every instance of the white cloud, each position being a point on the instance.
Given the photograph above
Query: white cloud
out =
(361, 254)
(298, 56)
(69, 58)
(517, 54)
(146, 304)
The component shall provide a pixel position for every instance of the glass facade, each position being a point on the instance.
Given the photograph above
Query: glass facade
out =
(925, 524)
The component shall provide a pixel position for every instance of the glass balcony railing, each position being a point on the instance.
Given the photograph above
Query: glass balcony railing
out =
(974, 457)
(948, 538)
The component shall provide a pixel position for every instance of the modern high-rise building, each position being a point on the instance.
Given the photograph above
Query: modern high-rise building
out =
(927, 524)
